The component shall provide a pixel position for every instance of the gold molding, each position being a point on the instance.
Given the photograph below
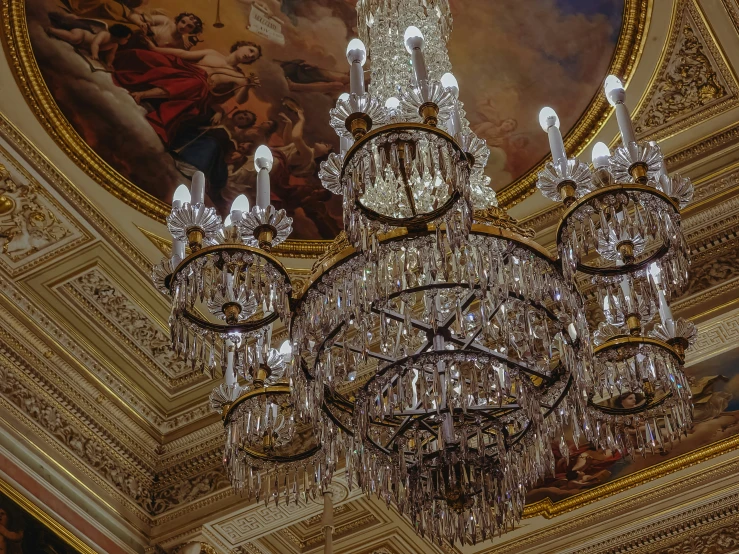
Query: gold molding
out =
(29, 79)
(45, 519)
(19, 52)
(628, 51)
(549, 509)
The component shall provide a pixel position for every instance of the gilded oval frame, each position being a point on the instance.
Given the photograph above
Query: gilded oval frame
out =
(22, 61)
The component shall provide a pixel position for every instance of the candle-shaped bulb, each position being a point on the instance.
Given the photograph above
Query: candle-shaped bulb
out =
(413, 38)
(263, 163)
(356, 55)
(392, 103)
(286, 348)
(230, 374)
(414, 44)
(356, 52)
(197, 190)
(614, 89)
(616, 96)
(449, 82)
(263, 158)
(601, 155)
(181, 196)
(239, 206)
(550, 124)
(548, 118)
(240, 203)
(344, 96)
(178, 251)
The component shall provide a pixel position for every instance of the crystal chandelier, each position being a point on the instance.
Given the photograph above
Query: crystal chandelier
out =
(436, 348)
(621, 242)
(450, 342)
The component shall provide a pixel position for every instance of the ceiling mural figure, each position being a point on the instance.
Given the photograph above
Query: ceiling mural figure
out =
(162, 88)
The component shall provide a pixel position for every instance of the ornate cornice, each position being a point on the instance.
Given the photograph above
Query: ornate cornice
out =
(105, 301)
(613, 509)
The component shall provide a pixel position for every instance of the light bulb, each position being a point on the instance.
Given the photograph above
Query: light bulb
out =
(356, 52)
(449, 81)
(344, 96)
(614, 90)
(181, 194)
(601, 154)
(413, 38)
(263, 158)
(392, 103)
(548, 118)
(227, 221)
(240, 203)
(655, 273)
(286, 348)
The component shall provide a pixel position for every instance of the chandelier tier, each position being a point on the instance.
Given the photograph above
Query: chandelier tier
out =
(270, 453)
(228, 288)
(456, 335)
(436, 347)
(621, 230)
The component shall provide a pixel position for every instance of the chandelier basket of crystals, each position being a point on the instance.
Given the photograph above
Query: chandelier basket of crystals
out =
(435, 329)
(620, 240)
(226, 295)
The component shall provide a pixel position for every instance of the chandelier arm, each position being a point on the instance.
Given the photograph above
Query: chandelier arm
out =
(629, 411)
(562, 396)
(463, 306)
(245, 327)
(503, 358)
(474, 336)
(403, 426)
(392, 314)
(370, 354)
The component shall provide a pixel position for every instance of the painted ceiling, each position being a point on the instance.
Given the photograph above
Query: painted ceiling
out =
(155, 89)
(96, 410)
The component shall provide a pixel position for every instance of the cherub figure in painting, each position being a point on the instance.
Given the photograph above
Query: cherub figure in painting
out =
(181, 32)
(101, 46)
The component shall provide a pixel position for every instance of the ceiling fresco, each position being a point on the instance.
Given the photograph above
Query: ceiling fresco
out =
(159, 88)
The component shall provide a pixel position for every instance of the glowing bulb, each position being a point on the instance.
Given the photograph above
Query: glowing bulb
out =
(413, 38)
(356, 52)
(548, 118)
(655, 273)
(263, 158)
(392, 103)
(286, 348)
(181, 194)
(241, 204)
(344, 96)
(449, 81)
(601, 154)
(227, 221)
(614, 90)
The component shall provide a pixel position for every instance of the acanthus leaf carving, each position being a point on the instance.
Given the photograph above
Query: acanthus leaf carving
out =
(26, 226)
(693, 78)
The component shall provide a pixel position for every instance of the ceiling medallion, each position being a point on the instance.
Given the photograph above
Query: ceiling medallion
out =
(437, 351)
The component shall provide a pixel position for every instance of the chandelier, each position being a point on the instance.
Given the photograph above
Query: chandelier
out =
(437, 350)
(620, 241)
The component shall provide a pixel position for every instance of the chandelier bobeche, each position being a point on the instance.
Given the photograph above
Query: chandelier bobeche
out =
(436, 349)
